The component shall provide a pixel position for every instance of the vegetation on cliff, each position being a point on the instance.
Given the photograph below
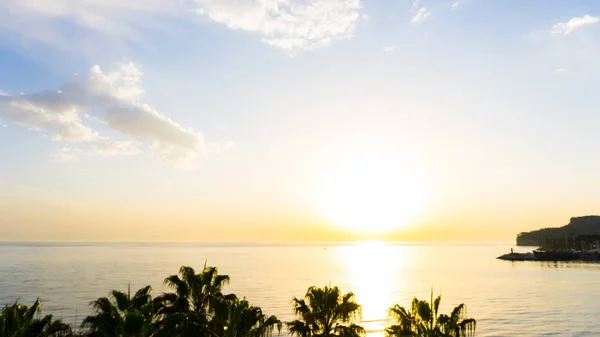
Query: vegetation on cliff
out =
(577, 227)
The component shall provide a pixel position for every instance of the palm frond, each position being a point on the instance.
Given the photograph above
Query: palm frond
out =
(299, 328)
(102, 304)
(351, 330)
(35, 308)
(400, 331)
(466, 328)
(121, 299)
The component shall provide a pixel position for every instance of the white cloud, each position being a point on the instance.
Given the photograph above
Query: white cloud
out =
(92, 118)
(455, 5)
(47, 111)
(68, 154)
(287, 24)
(561, 70)
(115, 98)
(565, 28)
(389, 49)
(72, 24)
(2, 93)
(43, 21)
(170, 141)
(104, 147)
(422, 14)
(110, 148)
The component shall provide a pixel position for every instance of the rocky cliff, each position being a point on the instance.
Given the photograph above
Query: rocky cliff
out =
(584, 225)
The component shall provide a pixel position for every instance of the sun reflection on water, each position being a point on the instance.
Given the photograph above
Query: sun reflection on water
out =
(373, 279)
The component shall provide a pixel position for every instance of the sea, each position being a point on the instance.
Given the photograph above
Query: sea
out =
(506, 298)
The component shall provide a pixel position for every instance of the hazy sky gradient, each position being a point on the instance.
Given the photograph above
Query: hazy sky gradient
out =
(218, 120)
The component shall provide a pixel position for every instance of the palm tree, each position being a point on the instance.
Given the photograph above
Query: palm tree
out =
(243, 320)
(457, 325)
(190, 309)
(195, 292)
(122, 315)
(325, 312)
(422, 320)
(20, 321)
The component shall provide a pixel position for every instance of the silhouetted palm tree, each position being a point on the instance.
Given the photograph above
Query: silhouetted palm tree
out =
(243, 320)
(122, 315)
(325, 312)
(20, 321)
(422, 320)
(190, 309)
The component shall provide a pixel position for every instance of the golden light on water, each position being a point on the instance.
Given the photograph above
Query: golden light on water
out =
(373, 280)
(371, 195)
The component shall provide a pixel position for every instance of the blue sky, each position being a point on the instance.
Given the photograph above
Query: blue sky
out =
(231, 111)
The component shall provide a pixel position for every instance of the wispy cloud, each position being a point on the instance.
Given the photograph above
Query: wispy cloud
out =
(422, 14)
(455, 5)
(287, 24)
(116, 98)
(68, 154)
(389, 49)
(565, 28)
(52, 22)
(561, 70)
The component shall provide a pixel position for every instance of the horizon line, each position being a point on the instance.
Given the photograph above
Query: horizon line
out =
(265, 243)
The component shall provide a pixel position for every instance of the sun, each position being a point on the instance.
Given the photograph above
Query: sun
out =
(371, 196)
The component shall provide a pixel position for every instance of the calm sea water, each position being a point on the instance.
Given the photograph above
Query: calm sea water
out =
(507, 299)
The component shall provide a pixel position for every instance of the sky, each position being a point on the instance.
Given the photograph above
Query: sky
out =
(296, 120)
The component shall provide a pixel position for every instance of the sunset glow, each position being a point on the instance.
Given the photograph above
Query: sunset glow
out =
(372, 195)
(295, 120)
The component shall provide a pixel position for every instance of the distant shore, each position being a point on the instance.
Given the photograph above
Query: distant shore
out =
(552, 255)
